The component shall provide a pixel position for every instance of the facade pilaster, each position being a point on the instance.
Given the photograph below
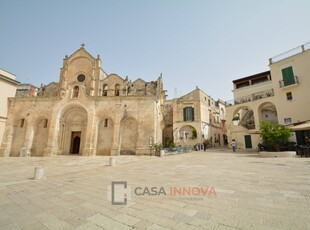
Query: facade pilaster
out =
(26, 149)
(52, 143)
(88, 149)
(6, 146)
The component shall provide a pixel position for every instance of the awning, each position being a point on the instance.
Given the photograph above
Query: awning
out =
(305, 126)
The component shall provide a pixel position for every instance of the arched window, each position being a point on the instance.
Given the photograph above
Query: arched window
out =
(105, 90)
(106, 123)
(76, 90)
(117, 90)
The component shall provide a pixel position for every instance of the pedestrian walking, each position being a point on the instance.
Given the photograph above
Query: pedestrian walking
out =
(204, 143)
(233, 145)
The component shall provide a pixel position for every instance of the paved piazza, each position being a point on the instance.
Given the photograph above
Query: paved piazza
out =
(216, 189)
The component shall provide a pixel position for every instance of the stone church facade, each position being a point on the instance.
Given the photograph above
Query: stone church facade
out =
(87, 112)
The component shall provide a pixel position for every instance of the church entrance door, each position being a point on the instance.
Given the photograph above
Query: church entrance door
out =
(75, 142)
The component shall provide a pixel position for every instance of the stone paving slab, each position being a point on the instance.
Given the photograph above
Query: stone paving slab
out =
(249, 192)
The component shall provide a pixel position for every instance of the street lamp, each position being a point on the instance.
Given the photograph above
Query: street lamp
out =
(151, 144)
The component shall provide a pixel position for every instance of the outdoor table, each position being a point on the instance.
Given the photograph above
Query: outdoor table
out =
(305, 150)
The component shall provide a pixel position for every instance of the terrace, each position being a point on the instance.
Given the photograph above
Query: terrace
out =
(251, 97)
(290, 53)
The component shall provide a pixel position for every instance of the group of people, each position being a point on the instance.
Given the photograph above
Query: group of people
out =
(204, 145)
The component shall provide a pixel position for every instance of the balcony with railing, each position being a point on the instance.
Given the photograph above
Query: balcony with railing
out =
(291, 81)
(251, 97)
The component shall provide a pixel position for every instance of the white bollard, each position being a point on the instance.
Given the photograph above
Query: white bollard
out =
(38, 173)
(23, 152)
(162, 153)
(112, 161)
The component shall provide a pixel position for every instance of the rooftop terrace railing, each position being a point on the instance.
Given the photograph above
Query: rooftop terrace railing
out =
(290, 53)
(251, 97)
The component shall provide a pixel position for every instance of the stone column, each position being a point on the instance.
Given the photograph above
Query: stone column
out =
(92, 87)
(88, 144)
(256, 118)
(63, 76)
(52, 141)
(116, 139)
(28, 140)
(92, 83)
(94, 137)
(7, 139)
(119, 115)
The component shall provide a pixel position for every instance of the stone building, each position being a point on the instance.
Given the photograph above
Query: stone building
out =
(279, 95)
(8, 85)
(87, 112)
(195, 117)
(26, 89)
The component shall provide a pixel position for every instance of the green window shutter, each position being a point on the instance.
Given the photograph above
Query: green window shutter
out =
(288, 76)
(193, 114)
(188, 114)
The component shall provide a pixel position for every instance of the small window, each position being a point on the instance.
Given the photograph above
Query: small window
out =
(287, 120)
(117, 90)
(105, 91)
(106, 123)
(209, 102)
(22, 122)
(76, 92)
(45, 123)
(289, 96)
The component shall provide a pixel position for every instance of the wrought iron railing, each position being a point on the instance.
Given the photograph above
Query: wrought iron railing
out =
(286, 83)
(251, 97)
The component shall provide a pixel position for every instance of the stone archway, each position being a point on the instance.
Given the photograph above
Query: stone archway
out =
(187, 135)
(267, 111)
(244, 116)
(72, 134)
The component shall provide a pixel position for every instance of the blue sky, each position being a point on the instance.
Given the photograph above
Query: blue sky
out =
(205, 43)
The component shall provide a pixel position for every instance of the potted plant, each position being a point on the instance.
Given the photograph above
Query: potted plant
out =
(236, 120)
(157, 148)
(274, 137)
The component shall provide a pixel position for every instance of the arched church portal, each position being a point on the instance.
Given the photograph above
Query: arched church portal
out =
(72, 133)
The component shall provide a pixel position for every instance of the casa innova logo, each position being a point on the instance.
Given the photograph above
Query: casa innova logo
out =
(119, 193)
